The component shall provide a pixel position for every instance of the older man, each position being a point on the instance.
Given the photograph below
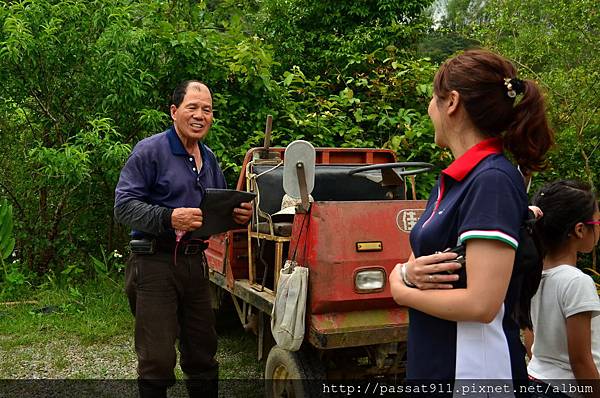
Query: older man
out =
(158, 195)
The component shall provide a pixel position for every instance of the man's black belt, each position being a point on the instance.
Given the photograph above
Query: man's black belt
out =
(185, 247)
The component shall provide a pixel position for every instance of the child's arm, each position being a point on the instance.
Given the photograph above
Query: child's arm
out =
(528, 340)
(579, 341)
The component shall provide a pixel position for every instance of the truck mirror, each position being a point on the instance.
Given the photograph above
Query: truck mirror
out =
(299, 171)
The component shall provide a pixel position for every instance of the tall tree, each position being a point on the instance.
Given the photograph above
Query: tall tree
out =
(82, 80)
(322, 37)
(557, 44)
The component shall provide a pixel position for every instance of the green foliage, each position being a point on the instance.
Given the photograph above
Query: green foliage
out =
(16, 280)
(381, 105)
(556, 44)
(110, 264)
(83, 81)
(322, 37)
(13, 279)
(7, 241)
(461, 15)
(441, 44)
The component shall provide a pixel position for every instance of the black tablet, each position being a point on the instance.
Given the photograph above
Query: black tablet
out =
(217, 211)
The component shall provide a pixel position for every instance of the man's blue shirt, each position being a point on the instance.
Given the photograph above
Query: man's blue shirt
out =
(160, 172)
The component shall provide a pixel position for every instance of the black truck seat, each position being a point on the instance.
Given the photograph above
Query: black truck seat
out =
(332, 183)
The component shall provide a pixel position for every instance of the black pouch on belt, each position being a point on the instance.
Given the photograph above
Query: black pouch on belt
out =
(142, 246)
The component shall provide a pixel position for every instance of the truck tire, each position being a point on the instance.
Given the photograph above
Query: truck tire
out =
(293, 374)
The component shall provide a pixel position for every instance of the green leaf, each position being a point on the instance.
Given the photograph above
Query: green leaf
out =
(288, 79)
(99, 266)
(7, 242)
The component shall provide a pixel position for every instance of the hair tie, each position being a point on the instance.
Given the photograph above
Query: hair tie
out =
(514, 86)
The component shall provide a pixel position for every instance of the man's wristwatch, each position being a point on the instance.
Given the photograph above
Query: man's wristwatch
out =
(405, 277)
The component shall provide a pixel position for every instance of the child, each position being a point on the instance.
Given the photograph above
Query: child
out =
(564, 310)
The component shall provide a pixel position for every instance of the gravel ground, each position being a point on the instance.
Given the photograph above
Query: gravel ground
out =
(72, 359)
(85, 343)
(72, 368)
(62, 359)
(87, 350)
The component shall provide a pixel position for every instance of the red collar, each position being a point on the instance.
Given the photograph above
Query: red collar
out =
(462, 166)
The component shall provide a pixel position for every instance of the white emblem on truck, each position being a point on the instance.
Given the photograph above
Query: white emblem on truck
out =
(407, 218)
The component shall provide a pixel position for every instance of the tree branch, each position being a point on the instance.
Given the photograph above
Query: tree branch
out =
(537, 76)
(78, 209)
(46, 111)
(586, 159)
(14, 199)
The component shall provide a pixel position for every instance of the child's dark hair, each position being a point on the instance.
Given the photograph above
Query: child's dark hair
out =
(564, 204)
(488, 86)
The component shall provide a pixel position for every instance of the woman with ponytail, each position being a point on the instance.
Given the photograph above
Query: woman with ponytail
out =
(495, 125)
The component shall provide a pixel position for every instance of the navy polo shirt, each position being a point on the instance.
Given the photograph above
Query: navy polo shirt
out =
(160, 172)
(481, 195)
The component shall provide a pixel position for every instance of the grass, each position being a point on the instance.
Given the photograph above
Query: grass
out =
(86, 332)
(93, 313)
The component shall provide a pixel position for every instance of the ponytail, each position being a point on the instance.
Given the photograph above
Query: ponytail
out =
(489, 90)
(529, 137)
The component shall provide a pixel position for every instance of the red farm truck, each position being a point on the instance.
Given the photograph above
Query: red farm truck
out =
(350, 238)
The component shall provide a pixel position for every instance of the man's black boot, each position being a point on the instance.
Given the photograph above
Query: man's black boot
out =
(148, 389)
(203, 385)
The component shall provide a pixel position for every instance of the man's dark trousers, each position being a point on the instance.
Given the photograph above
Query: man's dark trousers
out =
(172, 301)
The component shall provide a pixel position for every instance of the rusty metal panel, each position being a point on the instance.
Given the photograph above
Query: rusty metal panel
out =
(328, 247)
(237, 253)
(358, 328)
(216, 252)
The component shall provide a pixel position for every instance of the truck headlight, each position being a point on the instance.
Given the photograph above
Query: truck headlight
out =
(369, 280)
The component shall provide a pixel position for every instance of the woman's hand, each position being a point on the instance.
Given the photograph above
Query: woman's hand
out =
(490, 266)
(424, 269)
(537, 212)
(427, 272)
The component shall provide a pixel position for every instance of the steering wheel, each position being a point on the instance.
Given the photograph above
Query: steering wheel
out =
(422, 167)
(389, 176)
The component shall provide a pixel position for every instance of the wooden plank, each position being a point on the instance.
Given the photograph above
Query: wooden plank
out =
(243, 289)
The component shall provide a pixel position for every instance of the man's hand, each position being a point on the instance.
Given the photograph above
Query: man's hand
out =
(242, 214)
(186, 218)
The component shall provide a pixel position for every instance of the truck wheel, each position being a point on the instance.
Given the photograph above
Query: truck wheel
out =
(292, 374)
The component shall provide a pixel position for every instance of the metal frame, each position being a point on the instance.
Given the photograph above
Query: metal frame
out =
(279, 240)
